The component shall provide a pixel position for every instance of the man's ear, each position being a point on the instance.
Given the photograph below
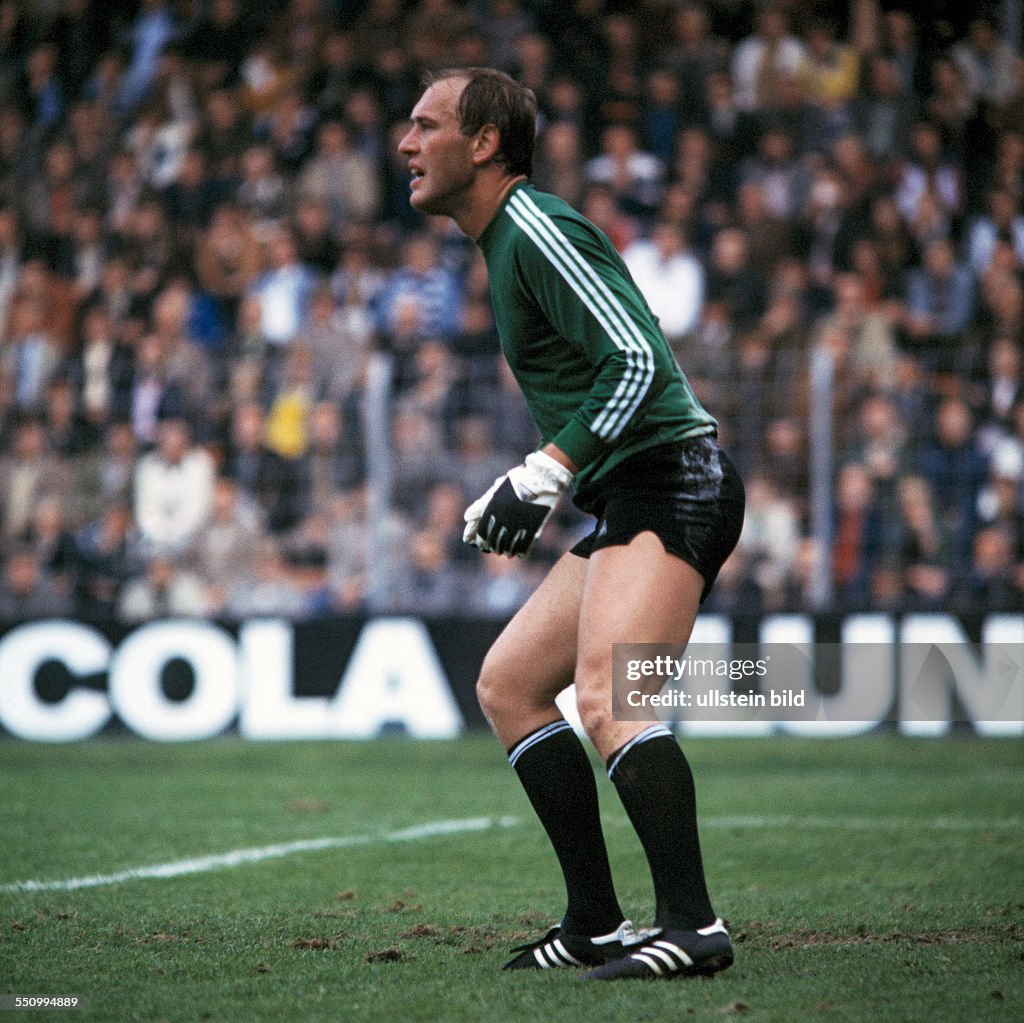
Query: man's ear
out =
(486, 144)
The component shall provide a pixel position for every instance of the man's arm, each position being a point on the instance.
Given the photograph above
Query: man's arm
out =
(510, 516)
(585, 292)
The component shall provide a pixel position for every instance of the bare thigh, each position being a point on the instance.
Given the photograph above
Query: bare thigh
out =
(634, 593)
(534, 658)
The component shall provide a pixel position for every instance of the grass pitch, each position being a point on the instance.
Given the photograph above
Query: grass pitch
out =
(866, 879)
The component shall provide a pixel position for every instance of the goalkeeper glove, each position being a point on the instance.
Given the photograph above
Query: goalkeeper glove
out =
(509, 517)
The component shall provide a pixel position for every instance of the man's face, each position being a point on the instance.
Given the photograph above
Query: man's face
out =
(439, 156)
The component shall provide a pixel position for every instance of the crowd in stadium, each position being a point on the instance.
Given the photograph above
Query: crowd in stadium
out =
(205, 237)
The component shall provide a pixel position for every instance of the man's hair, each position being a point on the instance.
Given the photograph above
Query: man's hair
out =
(493, 97)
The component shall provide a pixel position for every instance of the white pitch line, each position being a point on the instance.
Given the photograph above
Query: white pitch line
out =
(238, 857)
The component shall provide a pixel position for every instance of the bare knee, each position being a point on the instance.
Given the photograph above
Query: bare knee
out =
(514, 705)
(594, 707)
(492, 690)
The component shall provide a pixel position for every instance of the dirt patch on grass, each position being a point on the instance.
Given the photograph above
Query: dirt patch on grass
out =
(384, 955)
(319, 943)
(422, 931)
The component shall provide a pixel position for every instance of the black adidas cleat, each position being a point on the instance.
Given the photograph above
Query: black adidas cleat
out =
(672, 954)
(559, 950)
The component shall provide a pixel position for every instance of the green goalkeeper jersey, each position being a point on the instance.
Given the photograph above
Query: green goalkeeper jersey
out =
(594, 367)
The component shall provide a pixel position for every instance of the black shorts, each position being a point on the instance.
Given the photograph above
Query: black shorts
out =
(687, 493)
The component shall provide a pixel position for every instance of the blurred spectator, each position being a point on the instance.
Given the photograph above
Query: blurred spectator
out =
(999, 502)
(954, 469)
(766, 381)
(897, 250)
(419, 458)
(432, 584)
(27, 591)
(990, 582)
(151, 30)
(662, 115)
(693, 55)
(43, 96)
(287, 128)
(422, 284)
(600, 208)
(107, 559)
(53, 543)
(265, 589)
(927, 172)
(86, 251)
(768, 543)
(358, 278)
(153, 394)
(988, 63)
(67, 433)
(339, 176)
(1002, 222)
(859, 535)
(558, 165)
(148, 248)
(28, 355)
(262, 191)
(228, 258)
(335, 461)
(223, 548)
(10, 258)
(763, 57)
(785, 460)
(732, 281)
(315, 239)
(191, 197)
(770, 236)
(277, 484)
(1002, 389)
(103, 475)
(286, 432)
(784, 179)
(940, 302)
(829, 72)
(885, 113)
(306, 552)
(879, 444)
(861, 337)
(670, 278)
(900, 43)
(185, 362)
(223, 134)
(923, 545)
(173, 489)
(950, 105)
(166, 589)
(284, 290)
(218, 42)
(28, 471)
(338, 343)
(635, 176)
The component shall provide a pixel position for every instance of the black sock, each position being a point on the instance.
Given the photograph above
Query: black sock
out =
(655, 784)
(558, 778)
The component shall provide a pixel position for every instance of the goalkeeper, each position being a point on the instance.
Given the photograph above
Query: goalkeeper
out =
(623, 428)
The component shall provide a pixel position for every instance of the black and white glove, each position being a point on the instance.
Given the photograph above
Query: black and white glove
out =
(509, 517)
